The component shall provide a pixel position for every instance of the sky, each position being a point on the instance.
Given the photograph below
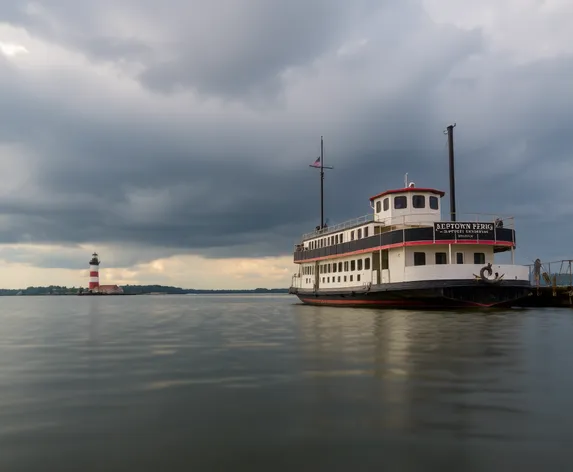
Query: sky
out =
(174, 138)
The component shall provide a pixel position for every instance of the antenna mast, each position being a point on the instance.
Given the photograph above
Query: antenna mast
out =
(322, 167)
(450, 132)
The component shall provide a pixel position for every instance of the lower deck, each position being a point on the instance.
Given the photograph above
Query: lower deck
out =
(404, 265)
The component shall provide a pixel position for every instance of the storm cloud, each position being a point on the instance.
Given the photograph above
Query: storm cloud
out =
(188, 127)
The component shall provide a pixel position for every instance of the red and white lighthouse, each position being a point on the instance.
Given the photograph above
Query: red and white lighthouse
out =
(94, 272)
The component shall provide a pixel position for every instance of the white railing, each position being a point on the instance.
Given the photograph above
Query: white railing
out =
(411, 219)
(339, 227)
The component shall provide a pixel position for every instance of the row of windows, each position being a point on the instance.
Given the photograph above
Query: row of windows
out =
(338, 238)
(346, 266)
(340, 278)
(401, 202)
(442, 258)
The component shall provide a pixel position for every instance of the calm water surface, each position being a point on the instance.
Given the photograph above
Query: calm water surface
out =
(202, 383)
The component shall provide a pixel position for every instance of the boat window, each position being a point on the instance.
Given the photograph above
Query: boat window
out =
(358, 278)
(419, 201)
(359, 264)
(329, 267)
(367, 263)
(378, 206)
(336, 239)
(339, 278)
(400, 202)
(340, 267)
(441, 258)
(345, 267)
(323, 280)
(328, 279)
(419, 258)
(334, 267)
(351, 235)
(351, 278)
(341, 238)
(459, 257)
(366, 232)
(359, 233)
(479, 258)
(434, 203)
(345, 278)
(352, 265)
(386, 204)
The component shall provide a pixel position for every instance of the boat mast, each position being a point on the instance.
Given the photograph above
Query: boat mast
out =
(321, 183)
(450, 132)
(322, 167)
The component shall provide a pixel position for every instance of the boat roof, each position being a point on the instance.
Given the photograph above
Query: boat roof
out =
(409, 189)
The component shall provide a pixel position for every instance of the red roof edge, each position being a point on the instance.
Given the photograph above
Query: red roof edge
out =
(409, 189)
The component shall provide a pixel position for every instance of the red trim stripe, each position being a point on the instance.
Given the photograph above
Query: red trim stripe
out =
(93, 273)
(413, 303)
(407, 244)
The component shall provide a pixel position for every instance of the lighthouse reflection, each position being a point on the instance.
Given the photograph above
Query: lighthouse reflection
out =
(408, 372)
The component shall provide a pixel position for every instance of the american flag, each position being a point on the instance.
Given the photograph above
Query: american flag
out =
(316, 163)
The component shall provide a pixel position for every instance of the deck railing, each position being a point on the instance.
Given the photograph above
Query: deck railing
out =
(413, 220)
(558, 273)
(501, 237)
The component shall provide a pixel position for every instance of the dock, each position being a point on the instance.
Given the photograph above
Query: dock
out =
(552, 284)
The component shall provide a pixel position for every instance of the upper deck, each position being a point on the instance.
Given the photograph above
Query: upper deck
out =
(493, 230)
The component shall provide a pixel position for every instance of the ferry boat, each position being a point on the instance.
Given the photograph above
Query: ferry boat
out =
(404, 255)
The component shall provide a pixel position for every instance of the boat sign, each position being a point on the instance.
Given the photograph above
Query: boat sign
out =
(464, 230)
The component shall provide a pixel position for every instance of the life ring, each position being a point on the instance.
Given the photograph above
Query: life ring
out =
(489, 270)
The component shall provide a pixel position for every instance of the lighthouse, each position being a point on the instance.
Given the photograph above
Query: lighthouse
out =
(94, 272)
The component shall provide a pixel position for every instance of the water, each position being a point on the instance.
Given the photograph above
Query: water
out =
(237, 383)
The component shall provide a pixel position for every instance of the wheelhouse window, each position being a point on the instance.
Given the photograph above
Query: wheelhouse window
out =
(352, 265)
(378, 206)
(351, 235)
(419, 258)
(334, 267)
(359, 233)
(441, 258)
(479, 258)
(366, 232)
(386, 204)
(367, 263)
(459, 257)
(345, 266)
(419, 201)
(434, 203)
(359, 264)
(341, 238)
(336, 239)
(400, 202)
(340, 267)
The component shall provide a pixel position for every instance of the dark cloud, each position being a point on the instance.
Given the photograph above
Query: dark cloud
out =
(106, 160)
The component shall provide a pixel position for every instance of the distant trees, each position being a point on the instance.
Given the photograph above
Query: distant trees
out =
(134, 289)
